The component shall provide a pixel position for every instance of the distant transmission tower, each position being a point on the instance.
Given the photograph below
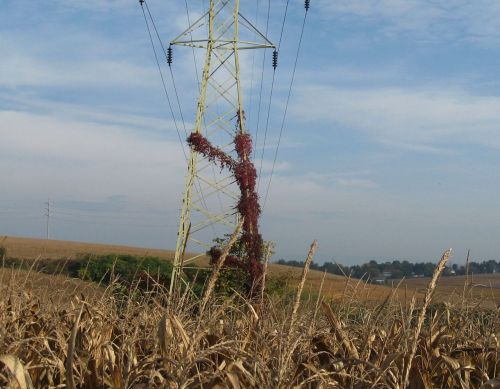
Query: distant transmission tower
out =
(47, 215)
(217, 187)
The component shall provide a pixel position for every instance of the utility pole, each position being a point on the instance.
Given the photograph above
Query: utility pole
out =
(47, 215)
(211, 196)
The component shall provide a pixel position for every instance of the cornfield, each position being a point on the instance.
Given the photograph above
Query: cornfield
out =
(63, 337)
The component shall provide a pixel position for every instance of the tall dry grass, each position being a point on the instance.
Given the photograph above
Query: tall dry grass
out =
(102, 340)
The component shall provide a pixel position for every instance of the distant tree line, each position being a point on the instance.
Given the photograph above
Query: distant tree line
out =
(397, 269)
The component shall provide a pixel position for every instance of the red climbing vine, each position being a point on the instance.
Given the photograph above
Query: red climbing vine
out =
(214, 154)
(248, 205)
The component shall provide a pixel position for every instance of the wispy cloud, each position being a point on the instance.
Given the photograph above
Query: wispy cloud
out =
(18, 70)
(475, 21)
(78, 62)
(426, 119)
(357, 183)
(119, 116)
(267, 166)
(65, 157)
(99, 5)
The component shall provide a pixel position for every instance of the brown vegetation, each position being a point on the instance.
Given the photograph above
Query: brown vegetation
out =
(56, 289)
(337, 287)
(481, 287)
(334, 286)
(31, 248)
(144, 341)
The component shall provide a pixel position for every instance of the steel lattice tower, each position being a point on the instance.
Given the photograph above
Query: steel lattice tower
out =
(210, 195)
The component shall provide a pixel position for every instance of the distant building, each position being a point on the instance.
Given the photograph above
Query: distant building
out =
(387, 274)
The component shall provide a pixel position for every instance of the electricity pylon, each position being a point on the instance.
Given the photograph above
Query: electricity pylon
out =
(210, 195)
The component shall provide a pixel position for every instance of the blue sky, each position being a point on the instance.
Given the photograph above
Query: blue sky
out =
(391, 145)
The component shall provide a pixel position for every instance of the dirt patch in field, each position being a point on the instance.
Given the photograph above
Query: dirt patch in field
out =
(58, 289)
(480, 287)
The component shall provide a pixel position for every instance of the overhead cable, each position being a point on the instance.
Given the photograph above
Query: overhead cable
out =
(275, 63)
(163, 81)
(286, 105)
(170, 68)
(262, 76)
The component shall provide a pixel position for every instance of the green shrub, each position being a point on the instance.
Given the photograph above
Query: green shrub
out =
(3, 252)
(231, 279)
(278, 286)
(127, 268)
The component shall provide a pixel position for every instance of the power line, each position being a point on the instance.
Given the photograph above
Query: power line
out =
(122, 217)
(81, 217)
(170, 68)
(163, 82)
(198, 186)
(253, 62)
(79, 221)
(31, 216)
(267, 126)
(286, 105)
(262, 76)
(47, 215)
(283, 25)
(192, 48)
(271, 94)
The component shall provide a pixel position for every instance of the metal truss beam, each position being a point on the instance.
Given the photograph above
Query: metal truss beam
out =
(210, 211)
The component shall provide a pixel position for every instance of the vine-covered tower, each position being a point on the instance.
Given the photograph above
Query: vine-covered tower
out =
(220, 182)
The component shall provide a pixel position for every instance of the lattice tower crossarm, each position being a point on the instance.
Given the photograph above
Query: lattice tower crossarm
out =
(209, 201)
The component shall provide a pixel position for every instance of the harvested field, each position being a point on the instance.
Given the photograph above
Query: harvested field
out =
(338, 287)
(31, 248)
(481, 287)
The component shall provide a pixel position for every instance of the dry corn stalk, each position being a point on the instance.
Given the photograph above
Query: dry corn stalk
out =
(17, 370)
(114, 346)
(305, 270)
(427, 300)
